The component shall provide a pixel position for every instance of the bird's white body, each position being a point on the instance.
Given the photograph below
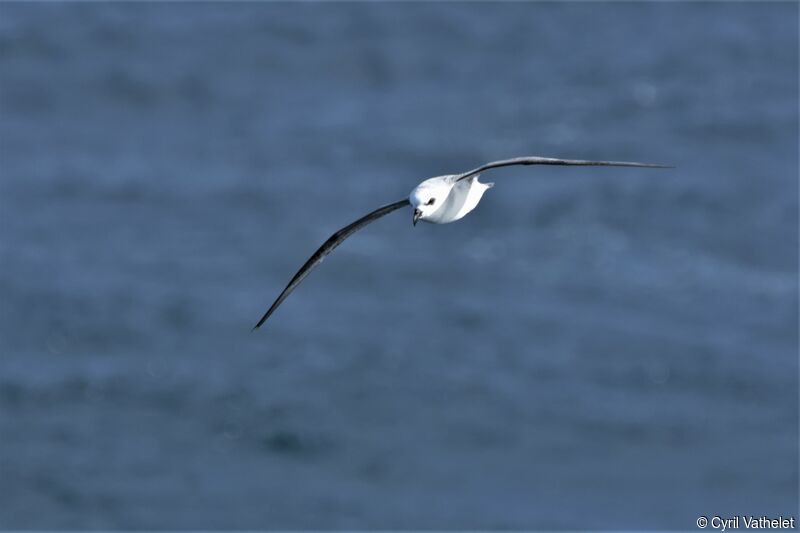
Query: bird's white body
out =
(444, 199)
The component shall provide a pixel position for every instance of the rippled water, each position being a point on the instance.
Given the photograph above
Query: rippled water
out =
(590, 348)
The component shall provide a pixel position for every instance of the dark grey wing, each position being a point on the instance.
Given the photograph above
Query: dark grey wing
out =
(335, 240)
(533, 160)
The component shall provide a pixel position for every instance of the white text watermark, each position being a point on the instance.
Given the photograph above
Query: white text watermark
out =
(721, 523)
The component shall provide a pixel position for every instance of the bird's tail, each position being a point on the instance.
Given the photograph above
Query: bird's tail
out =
(477, 180)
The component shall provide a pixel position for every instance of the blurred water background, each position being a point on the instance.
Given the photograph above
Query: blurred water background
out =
(590, 348)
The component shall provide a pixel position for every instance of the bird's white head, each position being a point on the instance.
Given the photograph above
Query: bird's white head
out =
(429, 196)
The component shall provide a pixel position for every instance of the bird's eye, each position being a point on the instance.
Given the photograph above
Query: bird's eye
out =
(431, 201)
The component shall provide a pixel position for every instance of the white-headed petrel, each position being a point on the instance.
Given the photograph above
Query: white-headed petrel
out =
(438, 200)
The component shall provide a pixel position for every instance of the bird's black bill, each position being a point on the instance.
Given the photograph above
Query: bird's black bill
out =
(417, 216)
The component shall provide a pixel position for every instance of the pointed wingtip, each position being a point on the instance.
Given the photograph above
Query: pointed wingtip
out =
(263, 319)
(647, 165)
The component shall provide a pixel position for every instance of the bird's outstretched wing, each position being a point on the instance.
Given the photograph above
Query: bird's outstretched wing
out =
(533, 160)
(335, 240)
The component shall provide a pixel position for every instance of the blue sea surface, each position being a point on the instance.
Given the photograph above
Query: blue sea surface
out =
(591, 348)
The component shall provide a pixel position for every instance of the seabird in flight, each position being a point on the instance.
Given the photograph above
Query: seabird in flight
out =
(438, 200)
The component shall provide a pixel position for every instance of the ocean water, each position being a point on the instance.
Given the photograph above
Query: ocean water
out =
(589, 349)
